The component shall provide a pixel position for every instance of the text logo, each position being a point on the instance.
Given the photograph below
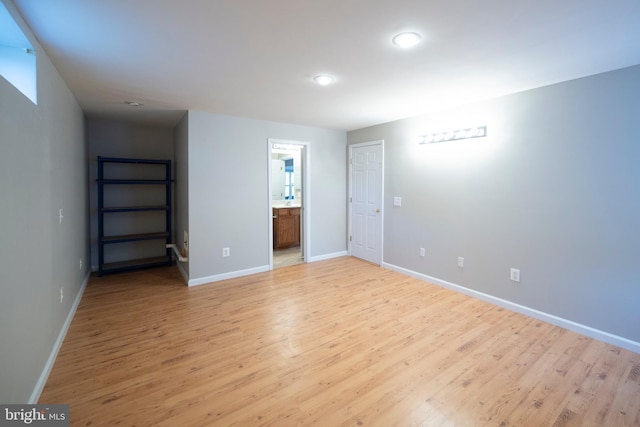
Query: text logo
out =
(34, 415)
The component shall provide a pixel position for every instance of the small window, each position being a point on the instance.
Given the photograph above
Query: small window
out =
(288, 180)
(17, 56)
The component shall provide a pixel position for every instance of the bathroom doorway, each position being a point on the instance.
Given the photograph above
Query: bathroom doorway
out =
(288, 181)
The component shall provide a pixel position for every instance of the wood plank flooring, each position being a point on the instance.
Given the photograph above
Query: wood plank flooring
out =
(334, 343)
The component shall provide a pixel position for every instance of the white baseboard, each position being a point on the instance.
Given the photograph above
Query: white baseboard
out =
(327, 256)
(225, 276)
(239, 273)
(182, 271)
(42, 380)
(540, 315)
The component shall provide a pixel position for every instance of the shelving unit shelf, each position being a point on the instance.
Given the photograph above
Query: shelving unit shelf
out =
(105, 183)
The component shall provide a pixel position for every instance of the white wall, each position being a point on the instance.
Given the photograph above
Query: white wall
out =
(109, 138)
(43, 168)
(229, 195)
(553, 191)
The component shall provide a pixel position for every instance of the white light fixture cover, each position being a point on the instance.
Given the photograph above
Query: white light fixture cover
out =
(323, 79)
(287, 147)
(406, 40)
(455, 135)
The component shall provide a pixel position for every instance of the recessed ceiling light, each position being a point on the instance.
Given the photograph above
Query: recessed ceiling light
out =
(134, 103)
(323, 79)
(406, 40)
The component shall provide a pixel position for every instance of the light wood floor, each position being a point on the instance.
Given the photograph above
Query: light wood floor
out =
(332, 343)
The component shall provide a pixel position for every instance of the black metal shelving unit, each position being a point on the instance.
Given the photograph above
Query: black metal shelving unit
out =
(104, 241)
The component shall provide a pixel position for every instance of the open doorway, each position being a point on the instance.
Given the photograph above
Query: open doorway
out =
(288, 202)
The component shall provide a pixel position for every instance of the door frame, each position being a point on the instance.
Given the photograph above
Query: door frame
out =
(306, 196)
(379, 142)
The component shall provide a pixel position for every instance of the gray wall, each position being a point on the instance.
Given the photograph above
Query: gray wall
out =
(553, 191)
(109, 138)
(181, 193)
(43, 168)
(228, 192)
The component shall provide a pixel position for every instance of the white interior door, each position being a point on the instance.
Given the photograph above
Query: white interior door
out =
(277, 179)
(366, 201)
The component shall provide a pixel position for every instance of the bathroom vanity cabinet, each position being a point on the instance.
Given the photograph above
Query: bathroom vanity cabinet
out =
(286, 227)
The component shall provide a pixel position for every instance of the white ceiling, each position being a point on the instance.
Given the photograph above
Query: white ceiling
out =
(256, 58)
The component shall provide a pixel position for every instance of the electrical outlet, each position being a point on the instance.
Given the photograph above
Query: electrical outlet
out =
(80, 263)
(226, 252)
(460, 261)
(61, 295)
(422, 252)
(60, 215)
(515, 275)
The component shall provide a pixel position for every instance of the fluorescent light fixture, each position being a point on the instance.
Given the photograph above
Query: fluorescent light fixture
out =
(454, 135)
(286, 147)
(324, 79)
(406, 40)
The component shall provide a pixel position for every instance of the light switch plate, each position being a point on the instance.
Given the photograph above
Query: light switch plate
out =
(397, 201)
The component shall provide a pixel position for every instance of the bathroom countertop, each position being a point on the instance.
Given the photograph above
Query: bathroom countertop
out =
(283, 206)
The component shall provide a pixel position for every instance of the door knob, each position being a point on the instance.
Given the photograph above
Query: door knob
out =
(377, 210)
